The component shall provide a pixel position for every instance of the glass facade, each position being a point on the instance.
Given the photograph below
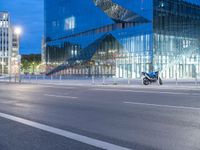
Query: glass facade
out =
(122, 38)
(176, 38)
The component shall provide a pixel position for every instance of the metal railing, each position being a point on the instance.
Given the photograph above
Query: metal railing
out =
(80, 80)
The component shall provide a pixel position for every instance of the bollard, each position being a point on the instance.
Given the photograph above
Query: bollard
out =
(20, 78)
(176, 79)
(15, 78)
(10, 78)
(29, 78)
(196, 81)
(103, 80)
(51, 77)
(93, 82)
(115, 81)
(44, 77)
(36, 77)
(129, 82)
(60, 77)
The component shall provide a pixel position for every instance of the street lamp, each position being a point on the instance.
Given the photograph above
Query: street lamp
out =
(18, 32)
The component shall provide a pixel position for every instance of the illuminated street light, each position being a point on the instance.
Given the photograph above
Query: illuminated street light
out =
(18, 30)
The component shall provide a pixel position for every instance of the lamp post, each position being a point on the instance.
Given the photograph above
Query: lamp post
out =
(18, 32)
(33, 65)
(19, 67)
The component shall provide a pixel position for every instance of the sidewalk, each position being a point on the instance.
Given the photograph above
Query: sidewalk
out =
(108, 82)
(117, 83)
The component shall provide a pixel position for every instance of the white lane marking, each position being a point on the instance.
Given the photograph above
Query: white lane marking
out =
(167, 106)
(60, 96)
(154, 92)
(57, 87)
(8, 102)
(67, 134)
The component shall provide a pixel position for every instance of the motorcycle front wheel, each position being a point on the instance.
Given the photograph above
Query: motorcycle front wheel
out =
(146, 81)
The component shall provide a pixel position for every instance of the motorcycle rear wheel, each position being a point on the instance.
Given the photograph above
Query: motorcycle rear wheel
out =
(160, 81)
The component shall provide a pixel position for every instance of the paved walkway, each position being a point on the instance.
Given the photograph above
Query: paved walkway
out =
(108, 82)
(168, 84)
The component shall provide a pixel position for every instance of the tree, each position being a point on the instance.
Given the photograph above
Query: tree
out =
(29, 62)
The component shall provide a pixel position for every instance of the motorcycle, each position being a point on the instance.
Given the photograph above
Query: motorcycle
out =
(151, 77)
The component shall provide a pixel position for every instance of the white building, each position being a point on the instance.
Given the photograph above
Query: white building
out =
(43, 54)
(9, 46)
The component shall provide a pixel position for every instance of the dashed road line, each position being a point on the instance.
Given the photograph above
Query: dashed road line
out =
(60, 96)
(139, 91)
(166, 106)
(57, 87)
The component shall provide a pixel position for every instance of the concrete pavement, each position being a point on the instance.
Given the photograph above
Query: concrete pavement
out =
(88, 81)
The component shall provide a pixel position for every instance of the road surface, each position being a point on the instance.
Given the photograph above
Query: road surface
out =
(53, 117)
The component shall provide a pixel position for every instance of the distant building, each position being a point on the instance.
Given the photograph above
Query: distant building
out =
(122, 38)
(9, 46)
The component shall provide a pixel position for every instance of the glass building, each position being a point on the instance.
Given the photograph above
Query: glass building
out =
(122, 38)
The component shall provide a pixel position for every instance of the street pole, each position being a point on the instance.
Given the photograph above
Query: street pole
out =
(176, 75)
(60, 77)
(18, 32)
(29, 78)
(93, 82)
(196, 78)
(129, 82)
(115, 80)
(10, 71)
(104, 80)
(19, 68)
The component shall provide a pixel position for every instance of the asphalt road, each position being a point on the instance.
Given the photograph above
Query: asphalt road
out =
(129, 118)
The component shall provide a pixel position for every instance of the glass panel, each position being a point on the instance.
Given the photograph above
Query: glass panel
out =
(176, 38)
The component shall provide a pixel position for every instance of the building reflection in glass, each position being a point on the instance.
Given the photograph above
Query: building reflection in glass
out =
(122, 38)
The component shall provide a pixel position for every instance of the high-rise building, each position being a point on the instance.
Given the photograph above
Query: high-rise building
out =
(5, 42)
(9, 45)
(122, 38)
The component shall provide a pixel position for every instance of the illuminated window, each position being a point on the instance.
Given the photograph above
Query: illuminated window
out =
(70, 23)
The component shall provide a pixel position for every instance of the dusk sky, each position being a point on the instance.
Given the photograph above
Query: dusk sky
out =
(29, 15)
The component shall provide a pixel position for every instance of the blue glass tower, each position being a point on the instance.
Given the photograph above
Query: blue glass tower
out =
(122, 38)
